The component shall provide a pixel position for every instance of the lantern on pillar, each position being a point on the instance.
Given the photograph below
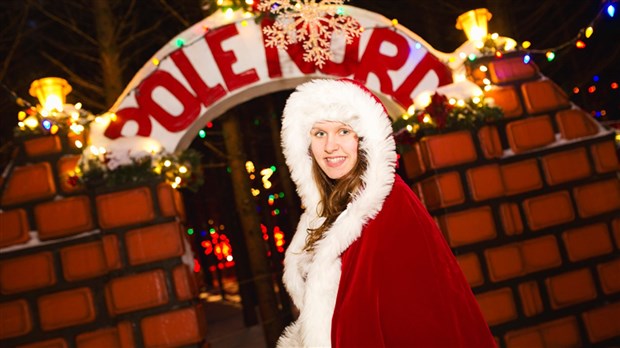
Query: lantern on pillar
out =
(474, 24)
(51, 92)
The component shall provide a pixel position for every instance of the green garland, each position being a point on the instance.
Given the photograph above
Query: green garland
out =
(443, 116)
(33, 122)
(181, 170)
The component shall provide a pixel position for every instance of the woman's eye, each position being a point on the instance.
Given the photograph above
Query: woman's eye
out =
(319, 133)
(345, 131)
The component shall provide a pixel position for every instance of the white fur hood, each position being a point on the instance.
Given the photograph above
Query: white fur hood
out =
(312, 279)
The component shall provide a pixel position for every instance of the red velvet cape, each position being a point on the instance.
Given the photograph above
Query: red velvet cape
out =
(402, 287)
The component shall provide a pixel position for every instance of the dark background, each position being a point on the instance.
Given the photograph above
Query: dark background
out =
(40, 38)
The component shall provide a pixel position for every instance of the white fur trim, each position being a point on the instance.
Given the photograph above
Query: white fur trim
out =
(315, 293)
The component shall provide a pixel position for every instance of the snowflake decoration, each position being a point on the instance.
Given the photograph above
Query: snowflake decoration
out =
(311, 22)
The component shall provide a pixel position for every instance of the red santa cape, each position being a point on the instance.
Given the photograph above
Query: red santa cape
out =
(382, 276)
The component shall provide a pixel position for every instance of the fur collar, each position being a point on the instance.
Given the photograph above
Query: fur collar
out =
(312, 279)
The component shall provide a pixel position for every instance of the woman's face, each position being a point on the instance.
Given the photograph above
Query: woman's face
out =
(334, 147)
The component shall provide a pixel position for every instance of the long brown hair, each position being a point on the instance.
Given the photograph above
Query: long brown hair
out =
(335, 195)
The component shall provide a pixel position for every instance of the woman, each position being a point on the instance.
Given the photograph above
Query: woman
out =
(367, 266)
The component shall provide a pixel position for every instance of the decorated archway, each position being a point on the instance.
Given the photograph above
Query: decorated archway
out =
(224, 60)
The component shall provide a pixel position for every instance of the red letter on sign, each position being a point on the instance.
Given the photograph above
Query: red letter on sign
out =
(374, 62)
(348, 64)
(129, 114)
(207, 95)
(428, 63)
(191, 105)
(225, 59)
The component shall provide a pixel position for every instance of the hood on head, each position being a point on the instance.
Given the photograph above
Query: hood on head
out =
(343, 101)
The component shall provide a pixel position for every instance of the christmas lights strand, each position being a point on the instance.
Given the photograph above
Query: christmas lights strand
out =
(585, 32)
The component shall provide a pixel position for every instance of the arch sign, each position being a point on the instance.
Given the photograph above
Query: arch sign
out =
(221, 62)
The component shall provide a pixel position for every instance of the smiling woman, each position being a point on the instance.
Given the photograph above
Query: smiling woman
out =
(334, 147)
(367, 266)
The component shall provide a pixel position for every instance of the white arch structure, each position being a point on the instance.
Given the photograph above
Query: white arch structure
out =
(222, 62)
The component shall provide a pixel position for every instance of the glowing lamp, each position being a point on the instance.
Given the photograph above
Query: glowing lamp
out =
(474, 24)
(51, 92)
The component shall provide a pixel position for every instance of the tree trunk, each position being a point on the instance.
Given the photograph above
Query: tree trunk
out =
(109, 53)
(250, 223)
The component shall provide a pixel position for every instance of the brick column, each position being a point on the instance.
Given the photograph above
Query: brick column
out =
(531, 208)
(86, 268)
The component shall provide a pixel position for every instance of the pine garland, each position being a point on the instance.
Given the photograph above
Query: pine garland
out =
(443, 116)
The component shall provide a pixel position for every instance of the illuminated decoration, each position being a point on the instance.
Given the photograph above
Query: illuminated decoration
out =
(474, 24)
(443, 114)
(202, 134)
(51, 93)
(578, 40)
(311, 22)
(249, 166)
(197, 267)
(266, 174)
(52, 115)
(218, 245)
(110, 168)
(278, 237)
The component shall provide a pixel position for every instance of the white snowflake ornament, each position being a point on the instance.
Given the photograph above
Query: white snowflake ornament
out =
(311, 22)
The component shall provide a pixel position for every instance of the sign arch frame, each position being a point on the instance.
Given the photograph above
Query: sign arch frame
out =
(223, 61)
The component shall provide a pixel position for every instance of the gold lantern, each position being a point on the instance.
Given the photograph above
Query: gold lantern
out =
(474, 24)
(51, 92)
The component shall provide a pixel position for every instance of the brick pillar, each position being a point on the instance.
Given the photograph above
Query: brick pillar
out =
(531, 208)
(85, 268)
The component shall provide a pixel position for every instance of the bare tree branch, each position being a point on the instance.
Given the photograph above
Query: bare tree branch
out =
(174, 13)
(213, 148)
(75, 78)
(140, 34)
(71, 26)
(7, 60)
(122, 22)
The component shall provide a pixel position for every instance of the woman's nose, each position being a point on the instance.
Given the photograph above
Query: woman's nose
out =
(331, 144)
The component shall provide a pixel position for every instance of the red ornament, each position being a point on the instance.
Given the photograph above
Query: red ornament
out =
(439, 109)
(73, 180)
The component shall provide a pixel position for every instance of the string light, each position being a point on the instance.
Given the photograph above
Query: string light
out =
(587, 32)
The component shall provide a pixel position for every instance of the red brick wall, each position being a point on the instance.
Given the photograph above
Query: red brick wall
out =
(91, 268)
(531, 208)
